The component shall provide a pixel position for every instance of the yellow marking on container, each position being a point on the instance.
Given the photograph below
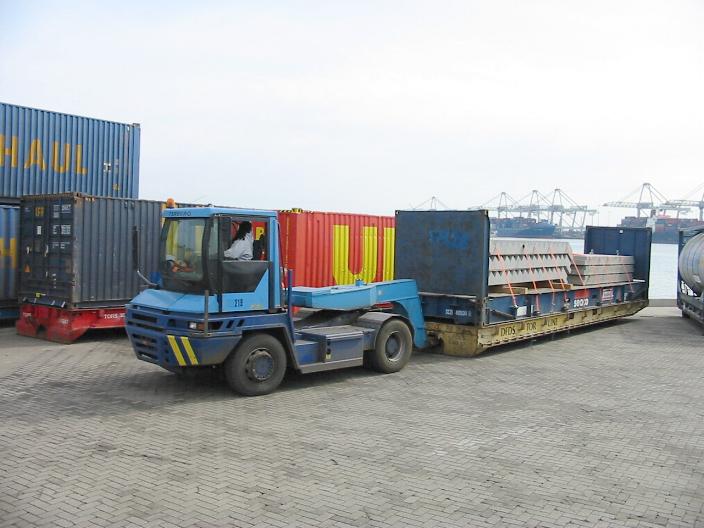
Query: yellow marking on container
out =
(176, 350)
(56, 163)
(189, 350)
(79, 160)
(389, 240)
(341, 255)
(36, 156)
(8, 248)
(11, 151)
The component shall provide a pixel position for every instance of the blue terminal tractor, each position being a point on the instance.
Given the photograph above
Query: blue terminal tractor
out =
(207, 310)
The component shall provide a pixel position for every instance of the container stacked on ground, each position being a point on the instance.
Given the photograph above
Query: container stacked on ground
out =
(45, 152)
(76, 269)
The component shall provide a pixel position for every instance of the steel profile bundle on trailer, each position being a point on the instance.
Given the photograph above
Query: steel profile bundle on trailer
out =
(690, 273)
(76, 268)
(448, 254)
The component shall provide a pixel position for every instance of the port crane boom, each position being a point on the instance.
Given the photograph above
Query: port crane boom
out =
(649, 199)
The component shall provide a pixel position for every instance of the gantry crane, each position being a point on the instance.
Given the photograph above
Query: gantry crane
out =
(559, 209)
(690, 203)
(650, 200)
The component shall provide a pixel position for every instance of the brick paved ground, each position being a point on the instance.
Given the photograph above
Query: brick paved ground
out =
(602, 428)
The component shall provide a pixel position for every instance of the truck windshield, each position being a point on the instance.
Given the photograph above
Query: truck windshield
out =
(182, 260)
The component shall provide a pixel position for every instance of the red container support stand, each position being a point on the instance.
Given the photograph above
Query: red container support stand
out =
(65, 326)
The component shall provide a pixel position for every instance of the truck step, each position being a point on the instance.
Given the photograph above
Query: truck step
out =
(332, 332)
(332, 344)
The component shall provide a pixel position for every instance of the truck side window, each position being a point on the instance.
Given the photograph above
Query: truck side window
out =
(241, 276)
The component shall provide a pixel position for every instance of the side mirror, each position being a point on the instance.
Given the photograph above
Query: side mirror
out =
(135, 258)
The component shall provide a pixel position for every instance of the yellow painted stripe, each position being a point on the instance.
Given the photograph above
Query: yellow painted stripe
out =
(389, 239)
(189, 350)
(177, 351)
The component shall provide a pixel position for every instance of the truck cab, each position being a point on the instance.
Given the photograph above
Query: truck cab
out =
(208, 309)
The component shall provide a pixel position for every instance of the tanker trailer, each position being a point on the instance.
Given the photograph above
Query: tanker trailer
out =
(690, 274)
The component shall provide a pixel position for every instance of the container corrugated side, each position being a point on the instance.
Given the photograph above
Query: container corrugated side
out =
(325, 249)
(43, 152)
(76, 250)
(9, 231)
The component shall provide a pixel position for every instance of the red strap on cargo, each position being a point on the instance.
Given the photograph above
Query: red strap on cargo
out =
(508, 280)
(545, 269)
(554, 261)
(552, 288)
(535, 287)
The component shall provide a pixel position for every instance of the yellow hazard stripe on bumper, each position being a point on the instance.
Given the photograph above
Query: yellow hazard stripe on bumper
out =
(189, 350)
(176, 350)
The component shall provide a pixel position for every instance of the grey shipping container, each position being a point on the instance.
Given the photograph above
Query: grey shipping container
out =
(76, 250)
(9, 232)
(43, 152)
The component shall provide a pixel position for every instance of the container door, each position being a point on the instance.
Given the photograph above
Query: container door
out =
(47, 251)
(34, 248)
(60, 261)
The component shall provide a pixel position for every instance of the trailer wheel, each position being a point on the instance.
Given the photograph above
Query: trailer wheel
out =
(394, 345)
(257, 366)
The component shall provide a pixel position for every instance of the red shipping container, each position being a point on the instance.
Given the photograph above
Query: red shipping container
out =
(324, 249)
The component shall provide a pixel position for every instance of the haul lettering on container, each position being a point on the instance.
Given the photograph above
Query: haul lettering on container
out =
(61, 157)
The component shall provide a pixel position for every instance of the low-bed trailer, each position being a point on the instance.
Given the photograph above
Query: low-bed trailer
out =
(450, 264)
(208, 311)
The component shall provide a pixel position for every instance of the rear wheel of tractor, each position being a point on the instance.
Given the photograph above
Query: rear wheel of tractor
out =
(394, 345)
(257, 366)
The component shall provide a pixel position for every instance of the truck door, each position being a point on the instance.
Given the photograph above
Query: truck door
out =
(243, 284)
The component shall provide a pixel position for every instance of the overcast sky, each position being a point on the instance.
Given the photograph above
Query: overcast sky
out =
(374, 106)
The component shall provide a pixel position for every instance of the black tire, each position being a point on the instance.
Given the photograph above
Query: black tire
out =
(685, 315)
(256, 366)
(393, 348)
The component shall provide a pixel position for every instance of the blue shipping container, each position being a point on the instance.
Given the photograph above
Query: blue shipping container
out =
(44, 152)
(9, 232)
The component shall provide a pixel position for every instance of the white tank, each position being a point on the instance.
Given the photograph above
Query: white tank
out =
(691, 263)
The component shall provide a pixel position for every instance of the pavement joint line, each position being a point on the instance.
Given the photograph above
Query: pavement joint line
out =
(599, 428)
